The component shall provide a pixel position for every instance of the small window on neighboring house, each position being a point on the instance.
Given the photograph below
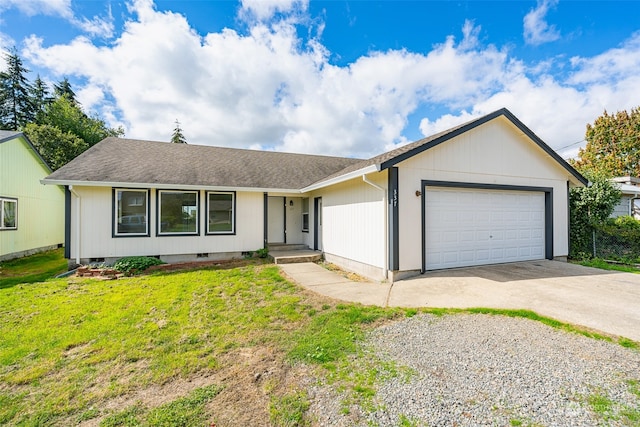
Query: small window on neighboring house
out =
(8, 214)
(131, 212)
(178, 212)
(221, 213)
(305, 214)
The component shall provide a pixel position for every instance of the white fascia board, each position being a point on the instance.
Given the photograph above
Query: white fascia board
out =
(166, 186)
(342, 178)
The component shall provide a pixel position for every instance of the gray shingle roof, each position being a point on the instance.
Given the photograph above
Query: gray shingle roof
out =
(6, 135)
(119, 160)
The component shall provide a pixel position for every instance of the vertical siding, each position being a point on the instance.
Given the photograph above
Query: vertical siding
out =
(40, 207)
(96, 229)
(623, 207)
(494, 153)
(353, 220)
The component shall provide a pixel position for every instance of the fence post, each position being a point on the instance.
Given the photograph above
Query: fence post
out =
(593, 239)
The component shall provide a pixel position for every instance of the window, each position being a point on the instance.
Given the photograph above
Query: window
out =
(177, 212)
(131, 212)
(8, 214)
(305, 214)
(221, 213)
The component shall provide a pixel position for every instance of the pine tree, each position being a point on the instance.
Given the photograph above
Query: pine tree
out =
(178, 137)
(16, 108)
(63, 88)
(40, 98)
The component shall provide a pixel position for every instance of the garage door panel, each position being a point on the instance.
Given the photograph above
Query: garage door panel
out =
(474, 227)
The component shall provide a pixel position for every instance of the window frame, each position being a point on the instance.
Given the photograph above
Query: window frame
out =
(114, 212)
(159, 232)
(233, 216)
(3, 200)
(305, 230)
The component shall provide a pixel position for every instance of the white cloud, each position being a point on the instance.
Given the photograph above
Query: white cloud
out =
(270, 89)
(265, 9)
(536, 29)
(40, 7)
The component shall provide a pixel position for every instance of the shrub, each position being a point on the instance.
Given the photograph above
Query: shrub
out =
(133, 264)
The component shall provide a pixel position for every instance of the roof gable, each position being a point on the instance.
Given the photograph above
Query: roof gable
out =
(6, 136)
(391, 158)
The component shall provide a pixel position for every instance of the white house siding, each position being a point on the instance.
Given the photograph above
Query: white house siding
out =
(623, 207)
(493, 153)
(96, 230)
(354, 224)
(40, 208)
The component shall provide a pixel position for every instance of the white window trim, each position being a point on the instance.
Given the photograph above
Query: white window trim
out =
(115, 212)
(2, 204)
(159, 214)
(233, 214)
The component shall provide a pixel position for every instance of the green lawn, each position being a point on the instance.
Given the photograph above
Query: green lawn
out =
(35, 268)
(70, 346)
(604, 265)
(75, 350)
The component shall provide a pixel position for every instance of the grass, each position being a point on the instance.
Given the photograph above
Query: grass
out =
(32, 269)
(71, 346)
(604, 265)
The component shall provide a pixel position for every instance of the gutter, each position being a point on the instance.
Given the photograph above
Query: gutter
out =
(385, 258)
(77, 223)
(342, 178)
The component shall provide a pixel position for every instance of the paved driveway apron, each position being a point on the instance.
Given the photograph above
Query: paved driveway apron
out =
(603, 300)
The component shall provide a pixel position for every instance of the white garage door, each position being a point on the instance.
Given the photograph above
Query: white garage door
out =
(466, 227)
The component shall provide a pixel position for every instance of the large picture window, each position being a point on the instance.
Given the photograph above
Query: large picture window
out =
(131, 212)
(221, 213)
(8, 214)
(177, 212)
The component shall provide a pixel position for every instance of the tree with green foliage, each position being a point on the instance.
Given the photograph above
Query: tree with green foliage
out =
(178, 137)
(68, 116)
(590, 207)
(16, 108)
(40, 97)
(613, 145)
(55, 146)
(63, 88)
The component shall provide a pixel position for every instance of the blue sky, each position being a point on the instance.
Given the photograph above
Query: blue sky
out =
(349, 78)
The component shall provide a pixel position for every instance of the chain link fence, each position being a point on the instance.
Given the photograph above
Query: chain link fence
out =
(615, 244)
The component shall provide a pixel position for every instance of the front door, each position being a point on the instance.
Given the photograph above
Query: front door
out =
(317, 223)
(276, 218)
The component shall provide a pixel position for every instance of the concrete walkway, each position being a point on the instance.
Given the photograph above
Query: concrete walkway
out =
(602, 300)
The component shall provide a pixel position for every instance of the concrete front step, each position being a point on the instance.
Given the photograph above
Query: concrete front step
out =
(287, 247)
(295, 256)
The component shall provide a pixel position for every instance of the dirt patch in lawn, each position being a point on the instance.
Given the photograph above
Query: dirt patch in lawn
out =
(249, 377)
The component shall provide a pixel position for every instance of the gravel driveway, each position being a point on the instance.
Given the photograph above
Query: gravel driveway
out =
(482, 370)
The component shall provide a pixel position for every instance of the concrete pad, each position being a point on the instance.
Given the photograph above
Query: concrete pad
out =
(331, 284)
(601, 300)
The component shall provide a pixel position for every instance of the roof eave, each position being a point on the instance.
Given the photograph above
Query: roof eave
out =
(341, 178)
(161, 186)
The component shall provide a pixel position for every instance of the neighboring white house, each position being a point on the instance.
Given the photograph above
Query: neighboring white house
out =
(488, 191)
(31, 214)
(630, 199)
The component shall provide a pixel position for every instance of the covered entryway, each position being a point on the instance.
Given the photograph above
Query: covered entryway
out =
(485, 224)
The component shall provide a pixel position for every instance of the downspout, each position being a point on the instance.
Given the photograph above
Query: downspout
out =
(77, 223)
(385, 268)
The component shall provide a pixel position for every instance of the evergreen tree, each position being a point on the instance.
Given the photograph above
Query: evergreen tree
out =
(613, 145)
(178, 137)
(39, 98)
(16, 108)
(63, 88)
